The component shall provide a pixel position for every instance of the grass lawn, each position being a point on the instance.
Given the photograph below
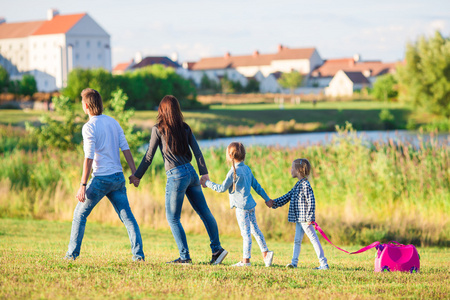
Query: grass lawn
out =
(31, 267)
(357, 112)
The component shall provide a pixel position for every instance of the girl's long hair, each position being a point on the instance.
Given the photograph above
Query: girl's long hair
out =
(171, 125)
(236, 152)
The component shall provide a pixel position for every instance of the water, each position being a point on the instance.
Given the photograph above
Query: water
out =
(301, 139)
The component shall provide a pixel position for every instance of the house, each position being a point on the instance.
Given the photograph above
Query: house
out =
(303, 60)
(121, 68)
(322, 76)
(344, 83)
(50, 49)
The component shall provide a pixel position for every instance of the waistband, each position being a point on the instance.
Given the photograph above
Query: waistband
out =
(187, 166)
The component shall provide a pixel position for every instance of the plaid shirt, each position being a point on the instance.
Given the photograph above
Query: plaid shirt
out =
(303, 205)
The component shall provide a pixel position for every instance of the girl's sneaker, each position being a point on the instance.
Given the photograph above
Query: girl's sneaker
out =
(242, 264)
(324, 267)
(291, 266)
(268, 259)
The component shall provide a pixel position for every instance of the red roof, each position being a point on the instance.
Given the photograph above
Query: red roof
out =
(122, 66)
(59, 24)
(331, 66)
(256, 59)
(19, 30)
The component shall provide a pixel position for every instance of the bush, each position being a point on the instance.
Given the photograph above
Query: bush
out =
(28, 85)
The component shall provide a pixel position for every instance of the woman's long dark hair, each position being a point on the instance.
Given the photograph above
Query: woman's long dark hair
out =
(171, 125)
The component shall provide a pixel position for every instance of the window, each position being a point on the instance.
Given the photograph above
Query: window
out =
(44, 44)
(88, 43)
(99, 44)
(99, 57)
(88, 56)
(76, 44)
(77, 56)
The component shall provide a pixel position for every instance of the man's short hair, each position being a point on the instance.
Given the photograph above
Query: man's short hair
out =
(93, 100)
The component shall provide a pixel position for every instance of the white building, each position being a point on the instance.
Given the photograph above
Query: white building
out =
(345, 83)
(51, 48)
(237, 68)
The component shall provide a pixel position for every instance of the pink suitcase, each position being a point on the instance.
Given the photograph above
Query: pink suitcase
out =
(397, 257)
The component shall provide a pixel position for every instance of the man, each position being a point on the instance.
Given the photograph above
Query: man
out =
(103, 137)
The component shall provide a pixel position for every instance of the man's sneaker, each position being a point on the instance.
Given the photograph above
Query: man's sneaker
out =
(291, 266)
(69, 257)
(138, 259)
(268, 259)
(242, 264)
(218, 257)
(181, 261)
(324, 267)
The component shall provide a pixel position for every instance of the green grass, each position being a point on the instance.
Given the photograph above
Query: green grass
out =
(229, 120)
(31, 267)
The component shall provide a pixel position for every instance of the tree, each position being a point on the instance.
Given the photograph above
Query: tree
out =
(4, 79)
(291, 81)
(425, 77)
(385, 87)
(226, 85)
(28, 85)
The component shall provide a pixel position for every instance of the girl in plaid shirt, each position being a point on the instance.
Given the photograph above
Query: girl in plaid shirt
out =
(301, 211)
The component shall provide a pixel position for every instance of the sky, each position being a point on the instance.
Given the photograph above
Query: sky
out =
(376, 30)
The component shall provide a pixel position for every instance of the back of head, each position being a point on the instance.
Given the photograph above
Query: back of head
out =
(236, 151)
(93, 100)
(303, 166)
(171, 125)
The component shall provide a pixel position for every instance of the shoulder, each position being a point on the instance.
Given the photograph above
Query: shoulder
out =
(87, 127)
(155, 128)
(186, 127)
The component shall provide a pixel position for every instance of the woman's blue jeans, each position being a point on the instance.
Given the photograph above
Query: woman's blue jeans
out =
(183, 180)
(113, 187)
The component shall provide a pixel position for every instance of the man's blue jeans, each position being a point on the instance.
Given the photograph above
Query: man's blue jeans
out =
(183, 180)
(113, 187)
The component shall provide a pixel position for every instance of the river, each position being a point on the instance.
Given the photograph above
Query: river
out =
(301, 139)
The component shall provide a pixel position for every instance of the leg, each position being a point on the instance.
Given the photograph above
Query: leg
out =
(174, 202)
(195, 196)
(309, 230)
(120, 202)
(297, 243)
(82, 211)
(243, 219)
(257, 232)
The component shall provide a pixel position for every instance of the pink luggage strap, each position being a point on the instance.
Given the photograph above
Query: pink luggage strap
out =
(373, 245)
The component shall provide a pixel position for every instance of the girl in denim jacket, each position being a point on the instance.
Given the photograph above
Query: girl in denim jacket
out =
(239, 182)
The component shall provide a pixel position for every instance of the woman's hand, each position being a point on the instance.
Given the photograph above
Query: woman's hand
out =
(204, 179)
(134, 180)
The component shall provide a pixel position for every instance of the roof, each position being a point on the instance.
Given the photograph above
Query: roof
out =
(59, 24)
(19, 30)
(122, 66)
(357, 77)
(331, 66)
(256, 59)
(152, 60)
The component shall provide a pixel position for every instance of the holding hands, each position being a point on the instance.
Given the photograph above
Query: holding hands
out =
(204, 179)
(269, 203)
(134, 180)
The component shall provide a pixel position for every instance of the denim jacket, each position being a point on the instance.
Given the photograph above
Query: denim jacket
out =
(241, 197)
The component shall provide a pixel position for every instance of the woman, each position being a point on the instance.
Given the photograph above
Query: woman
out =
(174, 137)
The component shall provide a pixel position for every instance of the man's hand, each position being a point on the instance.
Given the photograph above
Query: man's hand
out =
(203, 180)
(134, 180)
(269, 203)
(310, 223)
(81, 195)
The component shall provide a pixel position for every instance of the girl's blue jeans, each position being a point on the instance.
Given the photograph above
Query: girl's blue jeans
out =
(300, 230)
(183, 180)
(113, 187)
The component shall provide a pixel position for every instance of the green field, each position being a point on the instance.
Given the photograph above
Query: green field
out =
(231, 120)
(32, 267)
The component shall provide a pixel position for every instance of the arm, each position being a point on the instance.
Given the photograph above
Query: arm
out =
(148, 157)
(279, 202)
(87, 167)
(89, 153)
(220, 188)
(258, 189)
(197, 153)
(130, 161)
(309, 194)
